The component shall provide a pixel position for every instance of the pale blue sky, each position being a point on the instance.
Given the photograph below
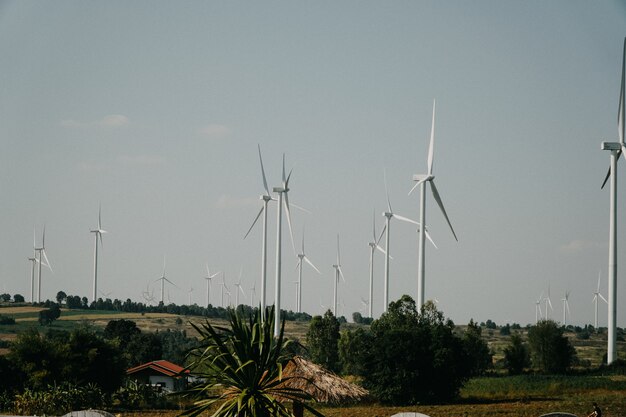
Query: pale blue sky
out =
(154, 110)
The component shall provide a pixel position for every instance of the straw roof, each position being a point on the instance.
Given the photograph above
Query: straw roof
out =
(323, 385)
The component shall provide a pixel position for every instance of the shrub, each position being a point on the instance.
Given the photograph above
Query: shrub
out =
(6, 320)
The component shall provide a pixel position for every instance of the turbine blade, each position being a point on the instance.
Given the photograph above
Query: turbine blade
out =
(440, 203)
(311, 263)
(603, 299)
(387, 191)
(267, 190)
(405, 219)
(34, 237)
(284, 178)
(341, 273)
(43, 237)
(302, 240)
(171, 282)
(608, 175)
(288, 212)
(415, 186)
(254, 222)
(599, 273)
(43, 252)
(338, 252)
(374, 225)
(297, 264)
(301, 208)
(99, 217)
(100, 238)
(620, 112)
(430, 238)
(383, 251)
(382, 232)
(432, 143)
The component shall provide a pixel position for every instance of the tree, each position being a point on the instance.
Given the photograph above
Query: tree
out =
(516, 355)
(476, 349)
(411, 357)
(18, 298)
(354, 351)
(241, 367)
(5, 297)
(322, 341)
(61, 297)
(551, 351)
(121, 329)
(49, 315)
(144, 347)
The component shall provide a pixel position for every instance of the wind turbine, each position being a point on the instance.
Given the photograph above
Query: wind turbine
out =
(389, 214)
(252, 293)
(302, 257)
(538, 313)
(97, 236)
(365, 304)
(374, 245)
(597, 295)
(208, 278)
(566, 310)
(224, 287)
(163, 279)
(548, 303)
(283, 199)
(190, 295)
(421, 180)
(616, 149)
(42, 259)
(267, 197)
(238, 285)
(338, 273)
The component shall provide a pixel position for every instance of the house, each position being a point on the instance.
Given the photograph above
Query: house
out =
(163, 374)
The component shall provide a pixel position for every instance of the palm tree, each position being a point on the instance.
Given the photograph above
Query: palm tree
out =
(241, 367)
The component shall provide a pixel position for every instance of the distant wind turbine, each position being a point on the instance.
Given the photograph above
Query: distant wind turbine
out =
(548, 303)
(389, 214)
(163, 279)
(190, 295)
(42, 259)
(97, 236)
(33, 261)
(597, 295)
(538, 314)
(208, 279)
(374, 245)
(224, 287)
(302, 257)
(421, 180)
(566, 311)
(238, 285)
(616, 149)
(338, 273)
(252, 294)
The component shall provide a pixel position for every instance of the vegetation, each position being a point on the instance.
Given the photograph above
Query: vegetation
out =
(551, 351)
(322, 341)
(516, 355)
(242, 367)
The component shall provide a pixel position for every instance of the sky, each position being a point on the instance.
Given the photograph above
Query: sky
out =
(153, 111)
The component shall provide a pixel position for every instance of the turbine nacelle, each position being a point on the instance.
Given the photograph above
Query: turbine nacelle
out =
(423, 177)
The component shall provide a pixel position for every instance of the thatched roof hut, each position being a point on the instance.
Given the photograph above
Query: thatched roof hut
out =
(321, 384)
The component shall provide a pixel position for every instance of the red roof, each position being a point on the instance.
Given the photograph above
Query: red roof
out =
(164, 367)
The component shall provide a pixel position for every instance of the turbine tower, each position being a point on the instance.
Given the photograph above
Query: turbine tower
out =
(97, 236)
(421, 181)
(548, 303)
(616, 149)
(33, 261)
(338, 273)
(266, 199)
(208, 278)
(597, 295)
(283, 199)
(302, 257)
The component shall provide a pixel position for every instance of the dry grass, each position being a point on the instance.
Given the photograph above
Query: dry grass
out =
(20, 310)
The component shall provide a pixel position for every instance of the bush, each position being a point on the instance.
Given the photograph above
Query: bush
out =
(322, 341)
(516, 356)
(6, 320)
(58, 400)
(551, 351)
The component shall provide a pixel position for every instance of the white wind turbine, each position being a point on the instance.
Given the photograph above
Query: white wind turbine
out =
(616, 149)
(597, 295)
(538, 314)
(97, 236)
(548, 303)
(302, 257)
(224, 287)
(252, 294)
(42, 259)
(239, 287)
(163, 279)
(283, 199)
(190, 292)
(389, 214)
(208, 279)
(365, 305)
(566, 311)
(338, 273)
(266, 199)
(374, 245)
(421, 180)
